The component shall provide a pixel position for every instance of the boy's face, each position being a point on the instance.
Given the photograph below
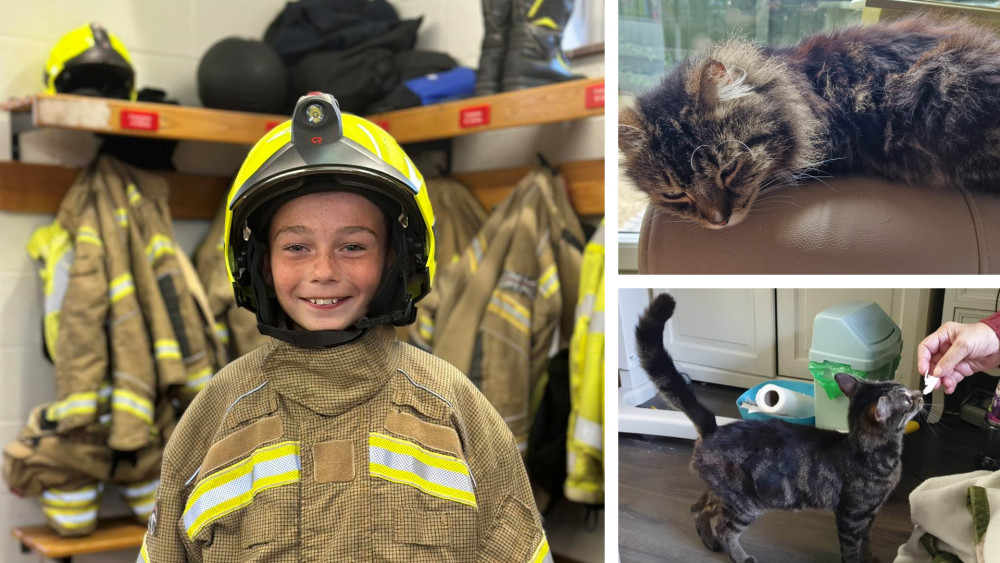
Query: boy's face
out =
(326, 255)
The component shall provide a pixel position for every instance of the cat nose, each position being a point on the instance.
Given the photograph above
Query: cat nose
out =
(718, 219)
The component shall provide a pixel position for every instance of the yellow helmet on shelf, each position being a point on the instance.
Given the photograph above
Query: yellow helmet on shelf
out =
(90, 61)
(321, 149)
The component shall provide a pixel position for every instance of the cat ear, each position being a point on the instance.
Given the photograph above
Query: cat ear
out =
(882, 410)
(632, 134)
(847, 383)
(705, 83)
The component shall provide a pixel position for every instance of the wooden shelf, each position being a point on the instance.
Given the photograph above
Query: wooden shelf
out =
(111, 535)
(566, 101)
(39, 188)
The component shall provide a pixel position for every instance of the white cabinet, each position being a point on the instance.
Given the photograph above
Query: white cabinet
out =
(743, 337)
(969, 306)
(723, 335)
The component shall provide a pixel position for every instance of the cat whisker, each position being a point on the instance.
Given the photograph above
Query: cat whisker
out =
(694, 152)
(752, 157)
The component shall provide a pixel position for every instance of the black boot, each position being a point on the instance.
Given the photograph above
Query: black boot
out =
(496, 20)
(534, 54)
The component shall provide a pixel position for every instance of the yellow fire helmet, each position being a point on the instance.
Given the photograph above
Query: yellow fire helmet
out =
(92, 62)
(321, 149)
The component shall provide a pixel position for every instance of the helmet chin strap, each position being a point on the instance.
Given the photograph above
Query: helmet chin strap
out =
(312, 338)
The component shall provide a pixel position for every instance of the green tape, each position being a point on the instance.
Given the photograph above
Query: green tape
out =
(825, 372)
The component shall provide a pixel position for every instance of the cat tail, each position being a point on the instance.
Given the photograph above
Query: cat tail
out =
(661, 369)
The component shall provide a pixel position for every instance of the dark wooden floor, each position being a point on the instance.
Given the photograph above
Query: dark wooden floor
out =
(656, 489)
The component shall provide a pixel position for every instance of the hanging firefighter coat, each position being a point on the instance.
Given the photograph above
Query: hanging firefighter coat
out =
(495, 313)
(368, 451)
(235, 328)
(585, 437)
(125, 335)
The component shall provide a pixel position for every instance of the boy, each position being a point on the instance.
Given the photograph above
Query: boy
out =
(333, 441)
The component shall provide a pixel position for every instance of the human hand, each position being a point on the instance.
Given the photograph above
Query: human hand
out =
(956, 351)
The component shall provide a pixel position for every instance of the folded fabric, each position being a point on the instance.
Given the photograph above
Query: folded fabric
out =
(956, 518)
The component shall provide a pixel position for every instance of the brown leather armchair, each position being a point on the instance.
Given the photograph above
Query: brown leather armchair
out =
(849, 225)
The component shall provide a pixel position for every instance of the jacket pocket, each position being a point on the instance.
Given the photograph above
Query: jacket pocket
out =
(247, 511)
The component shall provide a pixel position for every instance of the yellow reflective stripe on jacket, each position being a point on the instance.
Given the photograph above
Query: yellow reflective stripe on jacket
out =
(166, 349)
(121, 217)
(74, 404)
(143, 552)
(511, 311)
(549, 282)
(72, 517)
(121, 287)
(222, 332)
(66, 499)
(158, 246)
(403, 462)
(72, 509)
(476, 252)
(236, 486)
(425, 327)
(140, 496)
(542, 553)
(88, 234)
(133, 194)
(197, 380)
(132, 403)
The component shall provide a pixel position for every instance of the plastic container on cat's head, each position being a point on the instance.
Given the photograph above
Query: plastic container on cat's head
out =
(804, 387)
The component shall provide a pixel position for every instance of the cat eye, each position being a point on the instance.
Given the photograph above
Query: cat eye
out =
(907, 401)
(674, 196)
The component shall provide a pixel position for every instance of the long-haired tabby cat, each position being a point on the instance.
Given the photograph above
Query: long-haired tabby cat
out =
(916, 100)
(751, 466)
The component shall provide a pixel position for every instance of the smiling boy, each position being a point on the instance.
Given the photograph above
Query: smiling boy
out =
(334, 441)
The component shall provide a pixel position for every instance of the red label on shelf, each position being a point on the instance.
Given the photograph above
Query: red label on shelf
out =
(474, 116)
(140, 120)
(271, 125)
(594, 96)
(383, 124)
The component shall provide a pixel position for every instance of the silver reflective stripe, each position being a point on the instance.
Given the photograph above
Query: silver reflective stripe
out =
(198, 379)
(132, 403)
(596, 323)
(77, 403)
(477, 250)
(589, 432)
(143, 509)
(404, 462)
(83, 495)
(235, 487)
(60, 283)
(140, 490)
(69, 520)
(585, 306)
(511, 310)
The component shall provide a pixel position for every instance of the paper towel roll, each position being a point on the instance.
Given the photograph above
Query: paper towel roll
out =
(772, 399)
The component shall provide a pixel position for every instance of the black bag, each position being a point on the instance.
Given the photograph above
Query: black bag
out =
(359, 76)
(326, 25)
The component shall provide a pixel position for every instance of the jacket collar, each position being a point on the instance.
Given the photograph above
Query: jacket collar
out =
(331, 381)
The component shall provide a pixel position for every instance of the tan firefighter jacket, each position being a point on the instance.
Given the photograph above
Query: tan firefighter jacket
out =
(235, 327)
(495, 314)
(458, 216)
(369, 451)
(123, 333)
